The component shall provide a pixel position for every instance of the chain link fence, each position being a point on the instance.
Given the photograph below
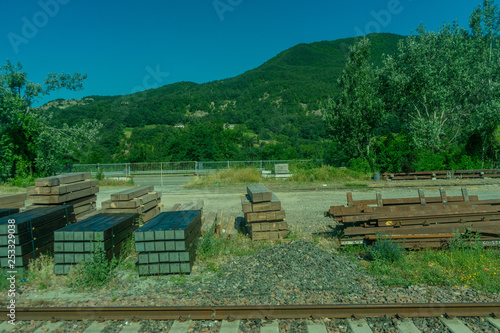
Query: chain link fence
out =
(181, 168)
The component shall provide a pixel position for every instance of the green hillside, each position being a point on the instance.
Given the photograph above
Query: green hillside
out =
(279, 102)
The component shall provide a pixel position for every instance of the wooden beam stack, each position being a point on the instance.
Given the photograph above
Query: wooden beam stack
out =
(263, 214)
(33, 232)
(140, 200)
(12, 200)
(77, 242)
(167, 243)
(76, 189)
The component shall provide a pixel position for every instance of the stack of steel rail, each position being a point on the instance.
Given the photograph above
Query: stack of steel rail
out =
(418, 222)
(442, 174)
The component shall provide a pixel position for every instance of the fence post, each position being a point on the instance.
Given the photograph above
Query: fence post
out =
(228, 164)
(161, 173)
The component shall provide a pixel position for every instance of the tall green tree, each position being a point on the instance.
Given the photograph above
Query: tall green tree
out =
(354, 117)
(444, 85)
(30, 144)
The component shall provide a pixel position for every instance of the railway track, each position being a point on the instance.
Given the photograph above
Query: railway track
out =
(232, 319)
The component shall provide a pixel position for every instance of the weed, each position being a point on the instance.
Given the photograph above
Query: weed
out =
(465, 240)
(178, 280)
(41, 271)
(229, 176)
(385, 249)
(94, 273)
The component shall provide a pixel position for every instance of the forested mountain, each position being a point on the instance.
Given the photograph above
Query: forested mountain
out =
(276, 108)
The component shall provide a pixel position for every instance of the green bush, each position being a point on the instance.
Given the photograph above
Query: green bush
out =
(94, 273)
(385, 249)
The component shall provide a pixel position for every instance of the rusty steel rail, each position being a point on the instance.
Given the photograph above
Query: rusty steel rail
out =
(258, 312)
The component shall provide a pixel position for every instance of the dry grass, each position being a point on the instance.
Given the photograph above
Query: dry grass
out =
(327, 173)
(108, 182)
(227, 177)
(41, 272)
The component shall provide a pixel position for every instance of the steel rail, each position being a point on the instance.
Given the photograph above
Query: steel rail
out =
(256, 312)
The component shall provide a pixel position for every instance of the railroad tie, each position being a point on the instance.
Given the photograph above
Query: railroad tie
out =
(229, 326)
(407, 326)
(494, 322)
(455, 325)
(96, 327)
(48, 327)
(180, 327)
(5, 327)
(272, 327)
(313, 327)
(132, 328)
(359, 326)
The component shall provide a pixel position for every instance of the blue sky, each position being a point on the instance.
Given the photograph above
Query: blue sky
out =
(130, 45)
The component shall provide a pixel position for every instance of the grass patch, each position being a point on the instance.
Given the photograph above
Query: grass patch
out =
(479, 269)
(227, 177)
(95, 273)
(328, 173)
(466, 265)
(41, 272)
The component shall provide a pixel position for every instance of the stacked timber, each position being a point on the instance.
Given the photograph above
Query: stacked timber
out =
(263, 214)
(32, 233)
(12, 201)
(420, 221)
(76, 189)
(82, 240)
(167, 243)
(140, 200)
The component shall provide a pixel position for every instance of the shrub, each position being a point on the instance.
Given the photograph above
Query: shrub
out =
(94, 273)
(385, 249)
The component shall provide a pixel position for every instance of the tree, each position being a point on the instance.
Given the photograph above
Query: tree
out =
(30, 144)
(444, 85)
(354, 117)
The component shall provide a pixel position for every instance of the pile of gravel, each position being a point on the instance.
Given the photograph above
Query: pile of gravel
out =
(293, 268)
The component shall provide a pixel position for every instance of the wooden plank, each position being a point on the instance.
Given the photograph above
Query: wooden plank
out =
(6, 199)
(131, 193)
(8, 211)
(31, 219)
(196, 205)
(209, 223)
(61, 199)
(265, 216)
(259, 193)
(218, 223)
(150, 214)
(249, 207)
(62, 179)
(139, 210)
(175, 208)
(61, 189)
(85, 208)
(169, 226)
(132, 203)
(99, 227)
(22, 261)
(30, 245)
(37, 232)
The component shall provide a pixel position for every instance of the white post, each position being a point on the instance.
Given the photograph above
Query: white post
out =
(161, 173)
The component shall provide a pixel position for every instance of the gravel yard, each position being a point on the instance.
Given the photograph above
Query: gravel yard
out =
(297, 272)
